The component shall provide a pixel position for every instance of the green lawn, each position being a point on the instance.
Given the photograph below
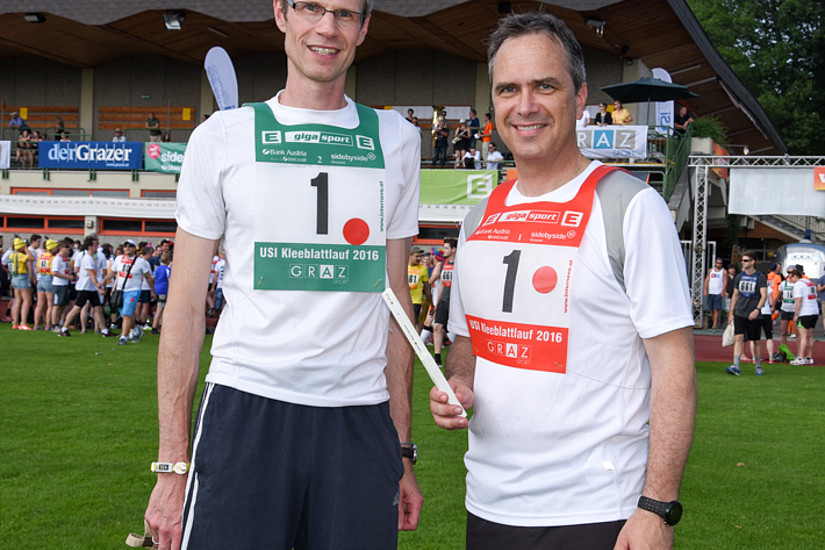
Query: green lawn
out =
(79, 429)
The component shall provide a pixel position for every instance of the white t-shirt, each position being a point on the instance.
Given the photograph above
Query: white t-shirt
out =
(296, 346)
(549, 448)
(806, 289)
(786, 289)
(584, 120)
(6, 256)
(59, 265)
(136, 275)
(84, 282)
(219, 267)
(493, 160)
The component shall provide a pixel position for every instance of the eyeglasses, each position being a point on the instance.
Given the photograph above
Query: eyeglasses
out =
(746, 260)
(314, 12)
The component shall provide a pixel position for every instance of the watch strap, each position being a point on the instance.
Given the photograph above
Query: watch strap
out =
(661, 509)
(170, 467)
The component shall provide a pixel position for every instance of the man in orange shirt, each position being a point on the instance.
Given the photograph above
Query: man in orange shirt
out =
(486, 135)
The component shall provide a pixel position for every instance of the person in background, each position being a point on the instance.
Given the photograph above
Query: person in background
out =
(494, 157)
(750, 292)
(820, 287)
(167, 137)
(806, 313)
(714, 287)
(62, 275)
(119, 137)
(153, 125)
(18, 264)
(45, 289)
(129, 271)
(621, 116)
(24, 149)
(603, 117)
(161, 275)
(682, 120)
(474, 127)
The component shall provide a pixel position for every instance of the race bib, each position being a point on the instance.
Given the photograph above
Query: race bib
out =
(319, 206)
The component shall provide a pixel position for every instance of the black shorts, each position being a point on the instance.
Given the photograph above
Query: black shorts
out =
(442, 312)
(270, 474)
(416, 312)
(145, 297)
(786, 315)
(90, 296)
(743, 325)
(808, 321)
(487, 535)
(767, 326)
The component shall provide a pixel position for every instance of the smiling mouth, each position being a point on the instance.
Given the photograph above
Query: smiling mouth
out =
(323, 51)
(527, 128)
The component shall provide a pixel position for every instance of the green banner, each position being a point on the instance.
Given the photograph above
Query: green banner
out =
(306, 266)
(456, 186)
(318, 144)
(163, 157)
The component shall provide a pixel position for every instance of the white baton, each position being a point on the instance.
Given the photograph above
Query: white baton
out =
(420, 349)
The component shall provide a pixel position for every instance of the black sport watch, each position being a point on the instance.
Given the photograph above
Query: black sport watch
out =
(671, 511)
(409, 450)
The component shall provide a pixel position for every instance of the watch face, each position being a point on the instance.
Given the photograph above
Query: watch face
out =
(673, 513)
(180, 468)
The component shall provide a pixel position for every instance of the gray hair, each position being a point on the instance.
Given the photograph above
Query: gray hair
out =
(521, 24)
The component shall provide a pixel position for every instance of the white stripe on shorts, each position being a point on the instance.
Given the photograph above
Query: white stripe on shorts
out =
(192, 482)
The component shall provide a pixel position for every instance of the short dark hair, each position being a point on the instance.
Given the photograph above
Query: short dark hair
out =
(515, 25)
(89, 241)
(750, 254)
(452, 241)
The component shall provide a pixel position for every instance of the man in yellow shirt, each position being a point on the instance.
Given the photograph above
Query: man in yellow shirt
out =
(419, 280)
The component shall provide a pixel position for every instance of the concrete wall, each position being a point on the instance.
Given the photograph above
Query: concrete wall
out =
(123, 82)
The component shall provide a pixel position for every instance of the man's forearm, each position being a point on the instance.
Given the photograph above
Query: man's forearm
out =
(399, 374)
(178, 366)
(672, 411)
(461, 363)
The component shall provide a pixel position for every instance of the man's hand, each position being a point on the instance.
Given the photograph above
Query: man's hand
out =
(448, 416)
(165, 510)
(410, 500)
(645, 530)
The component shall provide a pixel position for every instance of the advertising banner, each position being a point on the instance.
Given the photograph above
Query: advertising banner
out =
(613, 142)
(456, 186)
(779, 191)
(164, 157)
(5, 155)
(88, 155)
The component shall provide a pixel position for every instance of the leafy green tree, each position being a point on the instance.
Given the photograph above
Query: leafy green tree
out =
(777, 49)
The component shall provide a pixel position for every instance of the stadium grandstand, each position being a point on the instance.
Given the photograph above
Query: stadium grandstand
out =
(88, 68)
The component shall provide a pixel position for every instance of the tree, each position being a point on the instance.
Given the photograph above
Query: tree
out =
(777, 49)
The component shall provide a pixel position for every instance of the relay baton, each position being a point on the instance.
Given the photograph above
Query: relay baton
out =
(420, 349)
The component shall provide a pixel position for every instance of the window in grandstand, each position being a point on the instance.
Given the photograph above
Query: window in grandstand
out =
(65, 223)
(121, 194)
(25, 223)
(70, 193)
(435, 234)
(161, 226)
(171, 195)
(16, 191)
(121, 225)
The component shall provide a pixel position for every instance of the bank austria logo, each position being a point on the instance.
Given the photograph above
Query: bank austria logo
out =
(268, 137)
(479, 186)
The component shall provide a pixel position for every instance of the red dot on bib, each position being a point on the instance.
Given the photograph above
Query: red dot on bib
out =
(545, 279)
(356, 231)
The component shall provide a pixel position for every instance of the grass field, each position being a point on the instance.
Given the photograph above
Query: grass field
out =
(79, 429)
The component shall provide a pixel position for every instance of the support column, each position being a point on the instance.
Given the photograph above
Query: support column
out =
(700, 213)
(87, 102)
